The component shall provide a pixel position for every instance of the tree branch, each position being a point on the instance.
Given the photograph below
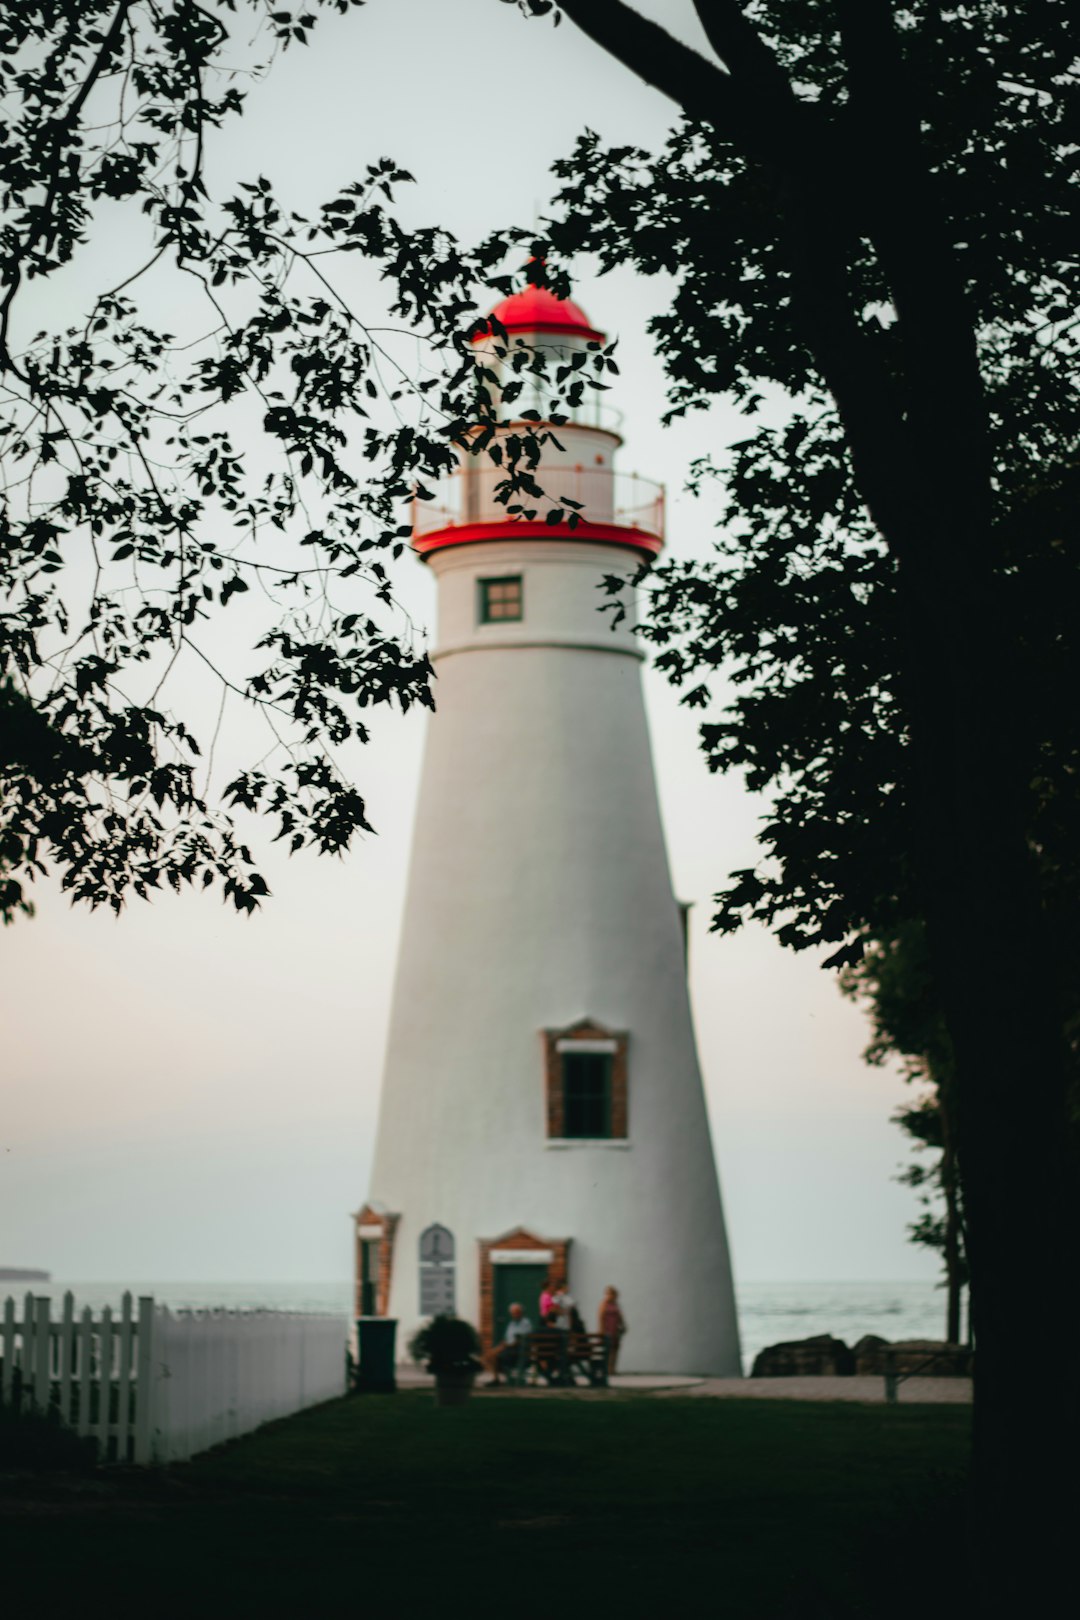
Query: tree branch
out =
(910, 233)
(815, 224)
(826, 199)
(60, 127)
(703, 90)
(740, 47)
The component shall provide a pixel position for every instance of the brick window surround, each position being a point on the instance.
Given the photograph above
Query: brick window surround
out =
(374, 1224)
(586, 1029)
(519, 1239)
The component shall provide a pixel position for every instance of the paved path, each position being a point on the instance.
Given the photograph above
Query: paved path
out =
(953, 1391)
(936, 1391)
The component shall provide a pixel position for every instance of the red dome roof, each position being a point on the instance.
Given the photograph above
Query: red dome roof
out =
(536, 309)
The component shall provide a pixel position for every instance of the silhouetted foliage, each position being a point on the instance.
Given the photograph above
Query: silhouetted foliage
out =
(894, 983)
(36, 1439)
(869, 215)
(261, 458)
(803, 608)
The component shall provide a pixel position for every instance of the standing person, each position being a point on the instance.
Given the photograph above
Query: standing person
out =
(562, 1303)
(612, 1325)
(563, 1306)
(547, 1299)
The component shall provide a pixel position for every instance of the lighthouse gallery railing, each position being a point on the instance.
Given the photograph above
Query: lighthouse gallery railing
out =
(469, 495)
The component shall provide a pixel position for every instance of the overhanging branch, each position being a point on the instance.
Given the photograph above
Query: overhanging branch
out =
(701, 88)
(741, 48)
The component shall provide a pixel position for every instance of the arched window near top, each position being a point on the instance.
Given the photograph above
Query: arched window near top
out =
(436, 1271)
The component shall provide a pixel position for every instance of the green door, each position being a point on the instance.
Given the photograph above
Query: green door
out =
(517, 1285)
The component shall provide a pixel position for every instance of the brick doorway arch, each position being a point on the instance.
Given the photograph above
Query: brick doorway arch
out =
(521, 1247)
(374, 1228)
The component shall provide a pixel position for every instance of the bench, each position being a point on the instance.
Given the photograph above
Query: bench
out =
(556, 1359)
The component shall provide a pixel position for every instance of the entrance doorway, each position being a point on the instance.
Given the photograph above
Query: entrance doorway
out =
(369, 1276)
(517, 1285)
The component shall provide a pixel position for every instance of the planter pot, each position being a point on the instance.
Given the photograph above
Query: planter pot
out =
(454, 1388)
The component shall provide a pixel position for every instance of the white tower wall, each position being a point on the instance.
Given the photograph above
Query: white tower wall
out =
(539, 895)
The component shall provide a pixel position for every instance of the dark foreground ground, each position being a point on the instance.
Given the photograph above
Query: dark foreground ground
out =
(626, 1505)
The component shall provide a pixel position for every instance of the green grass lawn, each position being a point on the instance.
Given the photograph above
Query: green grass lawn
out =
(627, 1505)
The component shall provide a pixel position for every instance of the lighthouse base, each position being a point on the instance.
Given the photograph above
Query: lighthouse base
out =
(679, 1323)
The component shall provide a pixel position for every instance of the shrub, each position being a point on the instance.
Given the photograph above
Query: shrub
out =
(34, 1439)
(446, 1344)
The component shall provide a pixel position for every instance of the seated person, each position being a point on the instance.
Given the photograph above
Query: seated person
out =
(508, 1356)
(552, 1356)
(548, 1354)
(580, 1355)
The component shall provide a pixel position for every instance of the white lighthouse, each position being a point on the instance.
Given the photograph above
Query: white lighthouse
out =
(542, 1110)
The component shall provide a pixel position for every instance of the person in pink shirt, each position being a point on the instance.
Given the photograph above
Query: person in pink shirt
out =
(547, 1300)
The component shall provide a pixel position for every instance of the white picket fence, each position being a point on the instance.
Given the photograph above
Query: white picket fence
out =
(159, 1386)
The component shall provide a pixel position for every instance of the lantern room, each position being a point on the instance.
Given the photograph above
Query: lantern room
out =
(577, 465)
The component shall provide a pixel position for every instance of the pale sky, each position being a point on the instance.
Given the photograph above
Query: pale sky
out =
(192, 1095)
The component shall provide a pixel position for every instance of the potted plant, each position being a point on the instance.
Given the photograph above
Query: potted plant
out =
(449, 1348)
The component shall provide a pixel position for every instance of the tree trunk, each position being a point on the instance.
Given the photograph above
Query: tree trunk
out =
(953, 1287)
(1014, 1144)
(1023, 1249)
(953, 1256)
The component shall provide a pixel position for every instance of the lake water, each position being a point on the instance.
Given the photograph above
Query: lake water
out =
(769, 1312)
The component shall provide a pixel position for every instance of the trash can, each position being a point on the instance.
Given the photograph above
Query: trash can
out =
(375, 1339)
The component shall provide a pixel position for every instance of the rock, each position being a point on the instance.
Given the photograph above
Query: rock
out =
(925, 1358)
(822, 1356)
(868, 1354)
